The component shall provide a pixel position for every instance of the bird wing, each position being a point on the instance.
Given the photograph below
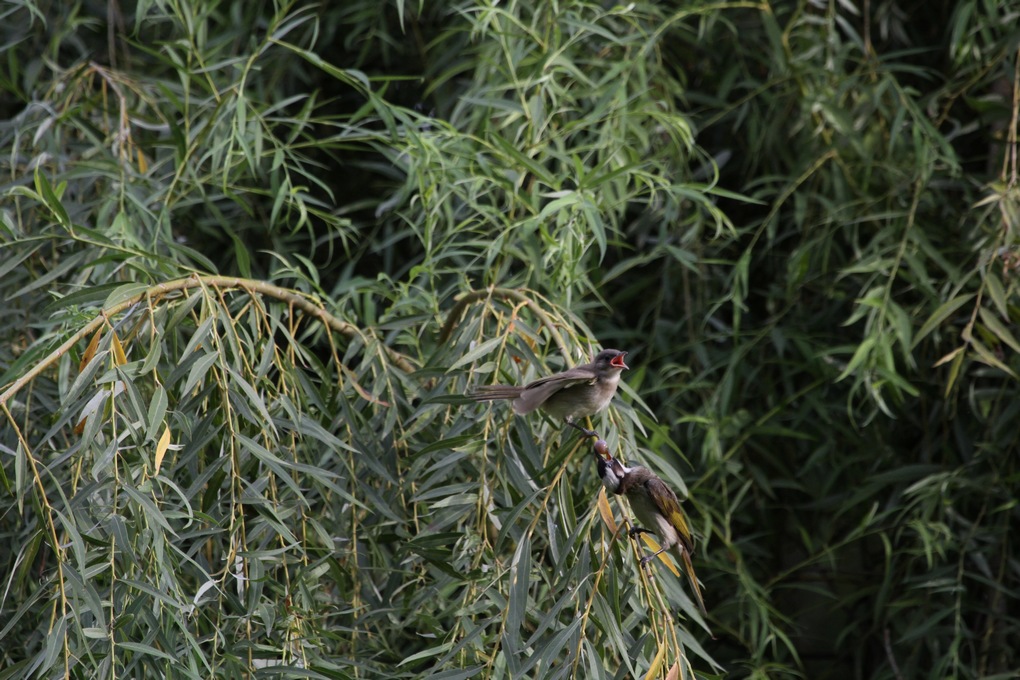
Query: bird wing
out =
(667, 500)
(664, 498)
(495, 392)
(535, 393)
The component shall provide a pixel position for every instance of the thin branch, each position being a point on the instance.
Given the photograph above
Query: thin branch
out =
(51, 525)
(887, 643)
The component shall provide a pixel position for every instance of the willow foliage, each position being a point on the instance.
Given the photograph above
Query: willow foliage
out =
(253, 253)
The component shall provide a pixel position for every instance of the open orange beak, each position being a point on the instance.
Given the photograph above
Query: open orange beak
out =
(618, 361)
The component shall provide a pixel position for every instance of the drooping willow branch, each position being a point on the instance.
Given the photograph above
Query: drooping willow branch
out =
(305, 304)
(453, 318)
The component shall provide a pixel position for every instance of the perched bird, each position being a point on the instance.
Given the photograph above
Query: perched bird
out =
(656, 507)
(576, 393)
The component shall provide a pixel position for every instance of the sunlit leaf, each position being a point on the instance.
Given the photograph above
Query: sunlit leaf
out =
(119, 357)
(161, 446)
(656, 665)
(90, 351)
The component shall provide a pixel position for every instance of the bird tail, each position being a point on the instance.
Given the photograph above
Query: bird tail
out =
(688, 567)
(495, 392)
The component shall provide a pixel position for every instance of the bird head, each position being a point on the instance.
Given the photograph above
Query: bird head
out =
(611, 471)
(610, 360)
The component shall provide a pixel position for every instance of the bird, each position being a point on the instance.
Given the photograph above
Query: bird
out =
(656, 507)
(573, 394)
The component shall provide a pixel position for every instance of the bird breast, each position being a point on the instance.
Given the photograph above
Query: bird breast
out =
(585, 399)
(649, 517)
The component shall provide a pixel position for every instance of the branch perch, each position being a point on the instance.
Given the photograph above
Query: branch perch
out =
(229, 282)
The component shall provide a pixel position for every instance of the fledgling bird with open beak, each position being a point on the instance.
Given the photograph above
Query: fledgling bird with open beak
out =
(577, 393)
(657, 510)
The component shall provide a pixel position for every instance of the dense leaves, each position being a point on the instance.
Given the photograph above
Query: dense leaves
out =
(253, 253)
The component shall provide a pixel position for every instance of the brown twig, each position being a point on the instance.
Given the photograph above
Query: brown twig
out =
(887, 643)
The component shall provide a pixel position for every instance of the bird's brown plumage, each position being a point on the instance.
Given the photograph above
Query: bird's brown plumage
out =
(576, 393)
(657, 509)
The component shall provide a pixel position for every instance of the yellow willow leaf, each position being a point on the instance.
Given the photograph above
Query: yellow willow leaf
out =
(90, 351)
(954, 373)
(606, 511)
(162, 446)
(119, 358)
(653, 670)
(654, 545)
(950, 356)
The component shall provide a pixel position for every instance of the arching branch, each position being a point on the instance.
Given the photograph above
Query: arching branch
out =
(295, 299)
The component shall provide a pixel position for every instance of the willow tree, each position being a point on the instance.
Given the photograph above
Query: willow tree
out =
(253, 254)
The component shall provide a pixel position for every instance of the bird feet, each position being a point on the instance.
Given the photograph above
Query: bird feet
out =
(585, 431)
(645, 561)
